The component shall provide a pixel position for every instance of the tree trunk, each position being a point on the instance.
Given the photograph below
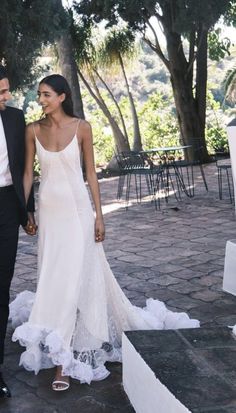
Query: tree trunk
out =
(190, 107)
(120, 142)
(189, 118)
(69, 71)
(115, 102)
(201, 86)
(137, 142)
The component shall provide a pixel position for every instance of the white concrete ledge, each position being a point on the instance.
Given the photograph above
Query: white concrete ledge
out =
(229, 280)
(145, 392)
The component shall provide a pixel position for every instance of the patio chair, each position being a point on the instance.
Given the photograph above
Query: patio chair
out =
(123, 174)
(224, 169)
(137, 165)
(185, 168)
(169, 181)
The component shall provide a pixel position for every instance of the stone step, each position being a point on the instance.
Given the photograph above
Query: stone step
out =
(180, 371)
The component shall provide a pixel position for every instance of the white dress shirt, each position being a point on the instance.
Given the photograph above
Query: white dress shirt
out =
(5, 174)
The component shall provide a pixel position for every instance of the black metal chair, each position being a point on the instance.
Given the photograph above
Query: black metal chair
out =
(223, 165)
(123, 174)
(137, 165)
(185, 170)
(170, 181)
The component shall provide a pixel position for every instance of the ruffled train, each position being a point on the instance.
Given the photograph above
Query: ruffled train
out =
(45, 348)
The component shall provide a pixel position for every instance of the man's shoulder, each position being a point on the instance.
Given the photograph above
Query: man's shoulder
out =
(13, 110)
(232, 123)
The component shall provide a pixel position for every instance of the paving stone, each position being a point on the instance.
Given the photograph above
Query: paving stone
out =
(208, 296)
(166, 268)
(163, 294)
(187, 274)
(217, 287)
(192, 263)
(146, 275)
(213, 310)
(182, 302)
(116, 253)
(205, 280)
(138, 260)
(127, 268)
(165, 280)
(27, 403)
(141, 287)
(125, 280)
(185, 287)
(217, 273)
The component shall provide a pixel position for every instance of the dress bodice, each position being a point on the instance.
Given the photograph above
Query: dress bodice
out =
(49, 160)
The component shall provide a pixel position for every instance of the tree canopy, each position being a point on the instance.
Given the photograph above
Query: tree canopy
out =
(25, 25)
(186, 62)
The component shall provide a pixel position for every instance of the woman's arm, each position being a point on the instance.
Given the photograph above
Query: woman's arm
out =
(28, 175)
(88, 155)
(29, 161)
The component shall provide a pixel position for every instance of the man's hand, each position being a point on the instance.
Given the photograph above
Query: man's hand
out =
(31, 227)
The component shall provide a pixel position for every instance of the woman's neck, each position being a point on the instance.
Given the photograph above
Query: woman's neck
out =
(57, 119)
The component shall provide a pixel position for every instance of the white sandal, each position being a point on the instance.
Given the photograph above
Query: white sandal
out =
(65, 386)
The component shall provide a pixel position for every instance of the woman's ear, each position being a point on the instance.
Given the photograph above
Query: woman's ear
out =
(62, 97)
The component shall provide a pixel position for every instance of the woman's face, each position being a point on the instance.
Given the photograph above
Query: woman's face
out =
(49, 99)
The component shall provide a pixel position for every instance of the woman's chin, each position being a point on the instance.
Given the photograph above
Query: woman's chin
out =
(45, 111)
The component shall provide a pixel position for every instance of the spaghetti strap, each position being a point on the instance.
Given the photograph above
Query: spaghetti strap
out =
(76, 130)
(34, 130)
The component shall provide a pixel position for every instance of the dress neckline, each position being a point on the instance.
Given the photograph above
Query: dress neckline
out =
(61, 150)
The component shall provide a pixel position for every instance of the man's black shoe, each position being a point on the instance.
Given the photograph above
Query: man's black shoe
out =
(4, 390)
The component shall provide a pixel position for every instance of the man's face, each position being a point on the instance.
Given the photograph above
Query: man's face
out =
(4, 93)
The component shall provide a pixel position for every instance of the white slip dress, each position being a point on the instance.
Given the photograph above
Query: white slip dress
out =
(78, 313)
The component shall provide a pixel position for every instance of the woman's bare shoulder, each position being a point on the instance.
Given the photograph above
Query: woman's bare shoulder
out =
(30, 128)
(84, 126)
(33, 128)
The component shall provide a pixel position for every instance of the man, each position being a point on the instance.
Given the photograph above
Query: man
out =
(13, 211)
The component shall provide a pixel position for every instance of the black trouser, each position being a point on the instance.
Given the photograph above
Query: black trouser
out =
(9, 228)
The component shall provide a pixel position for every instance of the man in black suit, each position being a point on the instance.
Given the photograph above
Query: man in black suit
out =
(13, 211)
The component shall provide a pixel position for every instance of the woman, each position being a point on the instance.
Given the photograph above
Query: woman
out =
(79, 310)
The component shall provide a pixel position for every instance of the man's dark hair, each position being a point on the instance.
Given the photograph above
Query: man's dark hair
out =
(3, 72)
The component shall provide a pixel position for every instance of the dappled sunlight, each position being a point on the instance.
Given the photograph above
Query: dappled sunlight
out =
(106, 209)
(115, 206)
(174, 196)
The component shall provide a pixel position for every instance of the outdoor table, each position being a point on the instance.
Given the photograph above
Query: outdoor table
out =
(167, 149)
(172, 164)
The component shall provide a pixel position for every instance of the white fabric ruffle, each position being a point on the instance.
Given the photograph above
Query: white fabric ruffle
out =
(45, 348)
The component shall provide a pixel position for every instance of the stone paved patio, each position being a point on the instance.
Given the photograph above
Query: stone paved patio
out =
(175, 255)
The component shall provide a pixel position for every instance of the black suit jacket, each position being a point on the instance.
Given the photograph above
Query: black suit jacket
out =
(232, 123)
(14, 127)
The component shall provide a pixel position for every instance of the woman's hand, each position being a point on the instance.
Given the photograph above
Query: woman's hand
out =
(99, 229)
(31, 227)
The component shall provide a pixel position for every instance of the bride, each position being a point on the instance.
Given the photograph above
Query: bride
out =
(75, 319)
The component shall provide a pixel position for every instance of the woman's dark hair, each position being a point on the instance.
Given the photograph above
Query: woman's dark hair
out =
(60, 85)
(3, 72)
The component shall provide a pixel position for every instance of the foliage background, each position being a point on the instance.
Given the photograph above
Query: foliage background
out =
(151, 89)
